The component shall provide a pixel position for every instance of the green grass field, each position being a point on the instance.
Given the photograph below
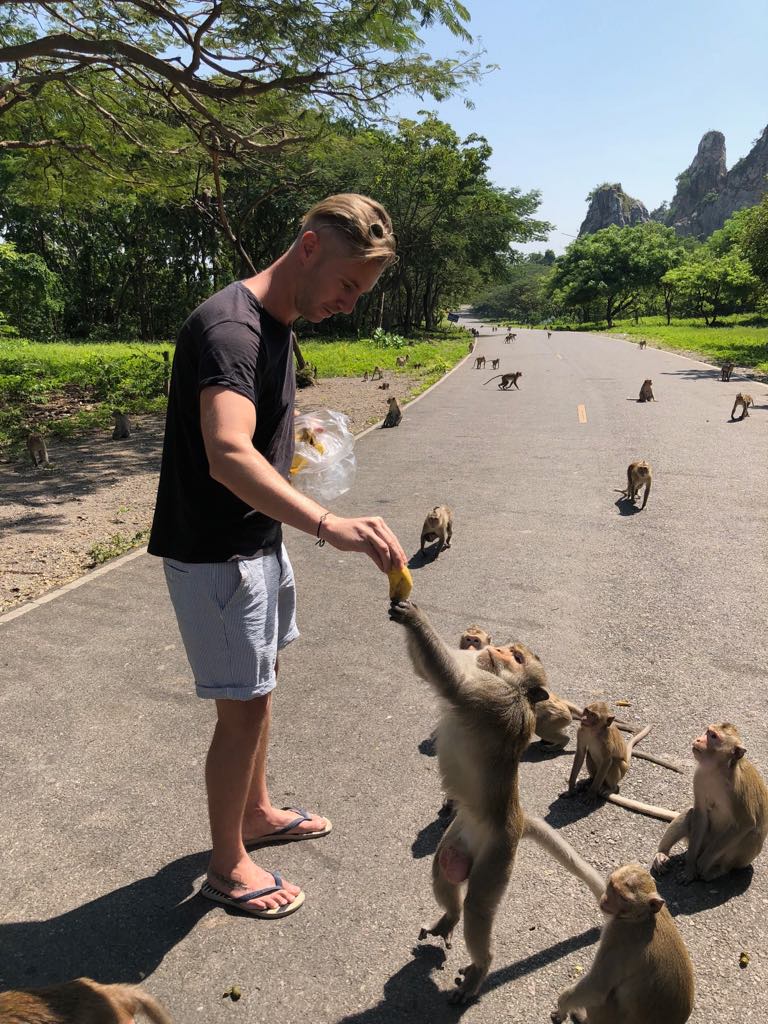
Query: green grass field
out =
(69, 388)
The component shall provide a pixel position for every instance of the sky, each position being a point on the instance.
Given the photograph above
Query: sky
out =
(590, 91)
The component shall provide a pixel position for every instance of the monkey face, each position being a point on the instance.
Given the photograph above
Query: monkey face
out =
(631, 894)
(720, 743)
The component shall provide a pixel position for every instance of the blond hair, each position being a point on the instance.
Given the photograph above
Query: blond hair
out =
(362, 225)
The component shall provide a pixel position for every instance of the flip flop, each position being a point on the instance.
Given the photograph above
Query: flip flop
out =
(280, 834)
(237, 902)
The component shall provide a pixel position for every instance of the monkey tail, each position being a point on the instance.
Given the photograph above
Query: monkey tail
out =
(150, 1006)
(636, 737)
(662, 813)
(493, 378)
(541, 833)
(657, 760)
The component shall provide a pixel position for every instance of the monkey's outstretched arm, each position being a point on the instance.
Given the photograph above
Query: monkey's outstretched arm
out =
(433, 660)
(578, 761)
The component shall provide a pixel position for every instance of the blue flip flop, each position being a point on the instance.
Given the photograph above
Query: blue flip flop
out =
(280, 835)
(239, 902)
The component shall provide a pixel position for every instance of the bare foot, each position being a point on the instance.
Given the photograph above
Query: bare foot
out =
(245, 876)
(258, 824)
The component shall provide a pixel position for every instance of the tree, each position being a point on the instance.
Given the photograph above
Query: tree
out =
(754, 240)
(712, 283)
(614, 266)
(29, 293)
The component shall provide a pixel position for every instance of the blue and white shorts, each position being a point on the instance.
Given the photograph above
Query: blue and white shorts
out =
(234, 617)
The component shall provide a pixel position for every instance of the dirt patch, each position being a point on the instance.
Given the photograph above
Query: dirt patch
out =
(97, 489)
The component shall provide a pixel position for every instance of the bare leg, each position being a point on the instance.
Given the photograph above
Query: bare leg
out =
(260, 818)
(240, 728)
(448, 894)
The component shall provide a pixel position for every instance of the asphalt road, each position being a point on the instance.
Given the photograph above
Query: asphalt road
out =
(104, 824)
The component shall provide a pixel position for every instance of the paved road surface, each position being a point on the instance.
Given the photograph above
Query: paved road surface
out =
(104, 826)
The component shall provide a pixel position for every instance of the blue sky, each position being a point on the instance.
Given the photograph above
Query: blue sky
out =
(591, 91)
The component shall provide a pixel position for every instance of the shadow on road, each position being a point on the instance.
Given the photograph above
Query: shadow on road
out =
(412, 995)
(698, 896)
(425, 843)
(121, 936)
(565, 810)
(538, 752)
(626, 507)
(421, 558)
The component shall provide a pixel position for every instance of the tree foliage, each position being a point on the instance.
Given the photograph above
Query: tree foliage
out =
(712, 283)
(29, 292)
(754, 239)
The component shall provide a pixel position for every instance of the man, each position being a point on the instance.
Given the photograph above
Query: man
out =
(222, 497)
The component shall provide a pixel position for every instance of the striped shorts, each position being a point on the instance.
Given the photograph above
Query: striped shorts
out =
(233, 618)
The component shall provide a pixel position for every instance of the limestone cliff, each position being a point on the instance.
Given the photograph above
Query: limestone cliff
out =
(707, 193)
(610, 204)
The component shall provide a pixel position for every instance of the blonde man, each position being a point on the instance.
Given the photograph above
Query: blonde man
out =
(222, 498)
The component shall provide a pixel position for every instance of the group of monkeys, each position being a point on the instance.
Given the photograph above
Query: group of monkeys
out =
(38, 450)
(495, 697)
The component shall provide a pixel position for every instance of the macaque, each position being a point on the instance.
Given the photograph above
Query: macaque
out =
(509, 338)
(642, 971)
(728, 823)
(646, 391)
(599, 740)
(549, 334)
(507, 380)
(37, 449)
(384, 386)
(479, 362)
(471, 346)
(402, 360)
(395, 414)
(376, 373)
(726, 370)
(474, 637)
(642, 343)
(82, 1001)
(122, 426)
(486, 724)
(744, 401)
(365, 377)
(495, 363)
(639, 475)
(438, 526)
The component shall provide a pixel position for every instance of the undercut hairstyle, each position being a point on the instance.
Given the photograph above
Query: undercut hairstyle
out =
(361, 224)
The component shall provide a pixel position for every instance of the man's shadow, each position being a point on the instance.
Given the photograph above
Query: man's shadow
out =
(119, 937)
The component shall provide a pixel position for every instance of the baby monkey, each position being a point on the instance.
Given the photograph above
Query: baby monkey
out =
(475, 638)
(639, 475)
(646, 391)
(600, 741)
(642, 971)
(728, 823)
(744, 401)
(438, 526)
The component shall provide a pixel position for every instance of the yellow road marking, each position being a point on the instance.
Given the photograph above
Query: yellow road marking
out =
(582, 411)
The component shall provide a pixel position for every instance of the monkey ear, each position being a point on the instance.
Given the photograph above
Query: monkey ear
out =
(655, 903)
(537, 693)
(738, 753)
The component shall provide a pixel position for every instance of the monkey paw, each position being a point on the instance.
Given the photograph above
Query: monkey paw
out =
(468, 983)
(660, 864)
(403, 612)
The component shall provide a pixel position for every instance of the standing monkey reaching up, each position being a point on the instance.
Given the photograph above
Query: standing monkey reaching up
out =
(485, 726)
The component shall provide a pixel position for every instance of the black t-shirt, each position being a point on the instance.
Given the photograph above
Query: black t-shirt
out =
(232, 341)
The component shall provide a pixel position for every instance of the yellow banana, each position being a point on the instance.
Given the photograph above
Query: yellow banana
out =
(400, 584)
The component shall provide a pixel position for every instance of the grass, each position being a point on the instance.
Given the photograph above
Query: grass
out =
(66, 389)
(117, 544)
(739, 338)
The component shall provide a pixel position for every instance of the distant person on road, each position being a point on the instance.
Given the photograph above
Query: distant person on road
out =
(222, 498)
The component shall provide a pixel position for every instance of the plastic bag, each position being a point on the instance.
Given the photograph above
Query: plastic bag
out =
(324, 464)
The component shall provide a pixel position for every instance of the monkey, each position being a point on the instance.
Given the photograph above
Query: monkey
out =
(395, 414)
(507, 380)
(726, 370)
(37, 449)
(81, 1001)
(479, 362)
(728, 823)
(471, 346)
(384, 386)
(485, 726)
(639, 475)
(509, 338)
(474, 637)
(376, 373)
(122, 426)
(549, 334)
(744, 401)
(365, 377)
(599, 740)
(642, 971)
(646, 391)
(438, 526)
(402, 360)
(495, 363)
(642, 343)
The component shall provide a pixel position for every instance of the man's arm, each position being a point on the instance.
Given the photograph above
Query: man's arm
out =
(228, 423)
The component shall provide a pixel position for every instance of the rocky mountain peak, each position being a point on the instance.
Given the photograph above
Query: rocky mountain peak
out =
(610, 204)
